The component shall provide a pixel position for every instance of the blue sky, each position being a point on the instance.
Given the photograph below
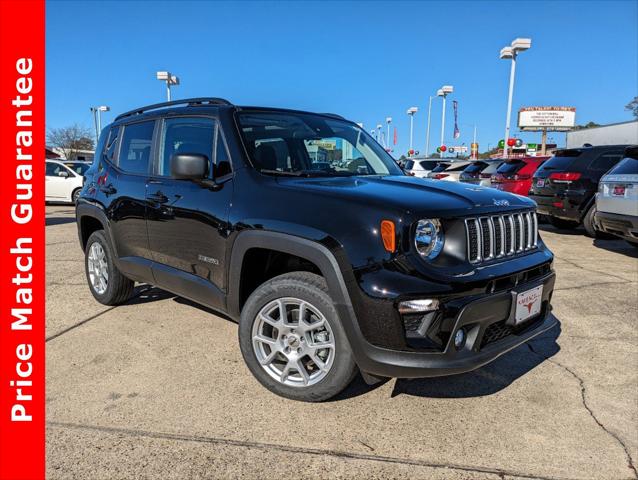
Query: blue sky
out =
(364, 60)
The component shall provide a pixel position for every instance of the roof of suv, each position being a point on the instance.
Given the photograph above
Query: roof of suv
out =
(206, 104)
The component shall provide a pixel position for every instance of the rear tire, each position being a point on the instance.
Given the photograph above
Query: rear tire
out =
(106, 282)
(590, 228)
(285, 353)
(75, 195)
(562, 224)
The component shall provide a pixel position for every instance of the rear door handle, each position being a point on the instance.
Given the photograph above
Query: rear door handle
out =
(158, 197)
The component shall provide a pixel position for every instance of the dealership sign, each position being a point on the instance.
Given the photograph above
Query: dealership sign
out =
(553, 119)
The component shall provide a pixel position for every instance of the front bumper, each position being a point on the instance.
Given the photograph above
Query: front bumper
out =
(625, 226)
(477, 315)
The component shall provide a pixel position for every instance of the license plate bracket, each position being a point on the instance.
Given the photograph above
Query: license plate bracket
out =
(528, 304)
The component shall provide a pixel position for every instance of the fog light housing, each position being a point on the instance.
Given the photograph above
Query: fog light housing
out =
(417, 306)
(459, 339)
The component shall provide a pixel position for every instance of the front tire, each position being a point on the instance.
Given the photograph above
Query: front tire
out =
(75, 195)
(106, 282)
(292, 340)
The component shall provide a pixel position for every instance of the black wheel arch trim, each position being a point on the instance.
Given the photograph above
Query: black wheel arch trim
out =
(84, 209)
(310, 250)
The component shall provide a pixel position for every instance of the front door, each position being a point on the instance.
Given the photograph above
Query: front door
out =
(187, 220)
(56, 185)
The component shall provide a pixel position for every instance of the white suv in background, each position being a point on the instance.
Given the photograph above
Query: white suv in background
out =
(420, 167)
(63, 184)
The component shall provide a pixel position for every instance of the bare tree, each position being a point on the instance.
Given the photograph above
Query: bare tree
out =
(633, 107)
(70, 140)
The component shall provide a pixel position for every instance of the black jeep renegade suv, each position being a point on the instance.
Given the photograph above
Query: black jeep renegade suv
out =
(304, 230)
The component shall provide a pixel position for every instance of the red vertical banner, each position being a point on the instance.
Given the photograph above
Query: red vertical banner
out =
(22, 240)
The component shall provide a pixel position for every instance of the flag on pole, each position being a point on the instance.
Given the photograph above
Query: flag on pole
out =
(457, 132)
(395, 136)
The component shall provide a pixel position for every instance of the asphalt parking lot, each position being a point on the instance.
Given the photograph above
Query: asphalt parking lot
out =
(157, 388)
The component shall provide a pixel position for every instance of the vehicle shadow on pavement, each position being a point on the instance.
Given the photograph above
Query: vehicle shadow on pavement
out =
(617, 246)
(489, 379)
(59, 220)
(577, 231)
(145, 293)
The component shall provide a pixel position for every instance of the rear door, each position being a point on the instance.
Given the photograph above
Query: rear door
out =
(188, 220)
(123, 189)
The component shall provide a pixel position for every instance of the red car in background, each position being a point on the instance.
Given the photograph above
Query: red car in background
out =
(515, 174)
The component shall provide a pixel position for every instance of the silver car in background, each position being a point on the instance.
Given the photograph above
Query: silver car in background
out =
(617, 199)
(449, 171)
(480, 172)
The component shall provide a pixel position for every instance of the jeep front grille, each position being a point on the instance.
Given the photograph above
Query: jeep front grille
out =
(500, 236)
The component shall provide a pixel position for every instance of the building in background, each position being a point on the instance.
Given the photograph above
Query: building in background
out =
(613, 134)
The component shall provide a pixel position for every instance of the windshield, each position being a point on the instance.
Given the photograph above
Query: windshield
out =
(78, 167)
(311, 145)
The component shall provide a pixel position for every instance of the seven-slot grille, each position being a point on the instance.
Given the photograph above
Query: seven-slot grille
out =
(500, 236)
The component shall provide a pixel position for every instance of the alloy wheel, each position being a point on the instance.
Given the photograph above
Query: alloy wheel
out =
(293, 342)
(98, 268)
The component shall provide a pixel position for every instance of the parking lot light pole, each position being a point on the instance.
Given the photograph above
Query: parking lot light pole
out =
(411, 111)
(388, 121)
(510, 53)
(443, 92)
(170, 79)
(97, 119)
(427, 131)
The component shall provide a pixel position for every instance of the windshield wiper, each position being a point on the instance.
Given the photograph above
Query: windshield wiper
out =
(298, 173)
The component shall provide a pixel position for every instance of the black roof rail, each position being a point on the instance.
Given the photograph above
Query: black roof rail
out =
(333, 115)
(185, 101)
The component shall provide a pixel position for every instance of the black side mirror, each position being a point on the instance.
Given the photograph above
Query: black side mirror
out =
(189, 166)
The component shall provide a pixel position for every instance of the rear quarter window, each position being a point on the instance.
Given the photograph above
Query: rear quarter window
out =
(409, 164)
(606, 161)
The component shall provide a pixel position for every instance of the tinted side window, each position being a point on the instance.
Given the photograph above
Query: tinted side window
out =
(185, 135)
(605, 161)
(135, 151)
(52, 169)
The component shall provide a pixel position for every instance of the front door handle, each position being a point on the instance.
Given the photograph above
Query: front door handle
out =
(158, 197)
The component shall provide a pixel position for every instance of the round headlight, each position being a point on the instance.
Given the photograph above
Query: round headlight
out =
(429, 238)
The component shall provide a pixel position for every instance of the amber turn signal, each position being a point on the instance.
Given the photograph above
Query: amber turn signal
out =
(388, 235)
